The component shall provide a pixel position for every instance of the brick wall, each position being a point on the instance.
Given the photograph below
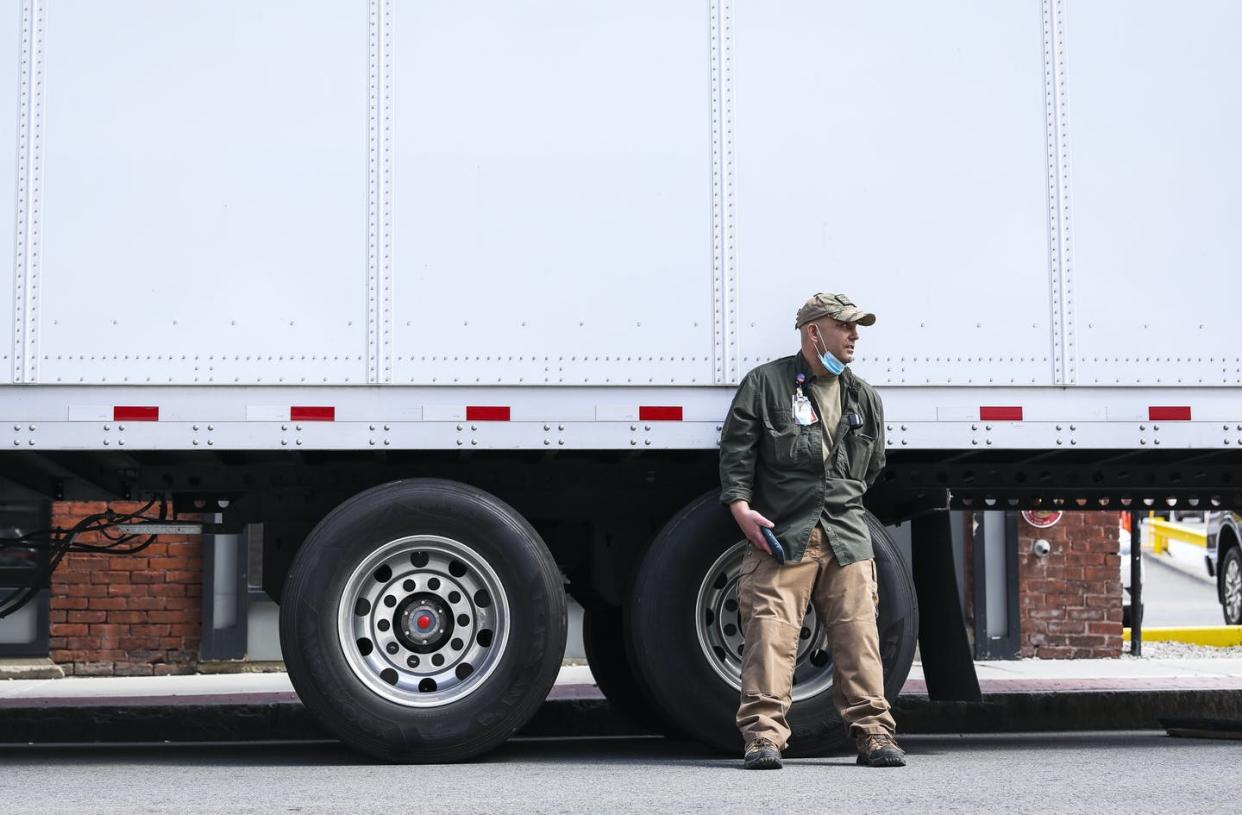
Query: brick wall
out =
(125, 615)
(1070, 600)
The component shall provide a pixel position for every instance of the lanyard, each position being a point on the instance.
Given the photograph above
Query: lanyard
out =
(803, 411)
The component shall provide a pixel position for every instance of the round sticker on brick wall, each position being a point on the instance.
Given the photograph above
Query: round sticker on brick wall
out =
(1041, 518)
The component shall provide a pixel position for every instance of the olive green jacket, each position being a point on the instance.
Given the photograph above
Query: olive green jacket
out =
(779, 468)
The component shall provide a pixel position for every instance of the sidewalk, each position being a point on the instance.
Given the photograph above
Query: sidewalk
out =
(1026, 695)
(1083, 675)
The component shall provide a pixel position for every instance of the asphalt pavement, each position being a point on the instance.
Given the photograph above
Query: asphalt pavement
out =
(1142, 772)
(1173, 597)
(1018, 696)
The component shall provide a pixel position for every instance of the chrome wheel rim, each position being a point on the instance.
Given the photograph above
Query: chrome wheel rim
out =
(423, 621)
(1233, 589)
(719, 627)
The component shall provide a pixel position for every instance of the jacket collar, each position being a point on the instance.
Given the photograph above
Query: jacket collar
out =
(801, 366)
(848, 380)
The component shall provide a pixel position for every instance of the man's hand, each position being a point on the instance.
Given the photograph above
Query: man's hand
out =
(749, 521)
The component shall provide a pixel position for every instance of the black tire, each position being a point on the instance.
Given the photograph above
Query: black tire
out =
(1230, 565)
(604, 643)
(499, 702)
(662, 633)
(1127, 614)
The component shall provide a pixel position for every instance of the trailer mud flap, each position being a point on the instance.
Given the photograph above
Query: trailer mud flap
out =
(948, 665)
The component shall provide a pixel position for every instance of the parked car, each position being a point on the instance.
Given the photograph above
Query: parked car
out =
(1224, 561)
(1222, 558)
(1123, 535)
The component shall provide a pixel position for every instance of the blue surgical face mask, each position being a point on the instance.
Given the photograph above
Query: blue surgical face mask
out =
(826, 357)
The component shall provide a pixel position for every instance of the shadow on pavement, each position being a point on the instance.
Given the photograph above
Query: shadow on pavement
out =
(629, 751)
(247, 754)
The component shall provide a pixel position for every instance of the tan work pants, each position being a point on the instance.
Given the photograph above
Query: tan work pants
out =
(773, 600)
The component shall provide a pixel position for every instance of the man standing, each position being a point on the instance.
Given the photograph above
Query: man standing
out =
(803, 441)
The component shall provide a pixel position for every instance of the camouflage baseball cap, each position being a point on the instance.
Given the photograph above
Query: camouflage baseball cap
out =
(837, 306)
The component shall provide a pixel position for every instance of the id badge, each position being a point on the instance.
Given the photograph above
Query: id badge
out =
(803, 412)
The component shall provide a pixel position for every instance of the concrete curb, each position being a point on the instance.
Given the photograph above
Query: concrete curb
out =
(239, 720)
(1215, 636)
(25, 668)
(1070, 711)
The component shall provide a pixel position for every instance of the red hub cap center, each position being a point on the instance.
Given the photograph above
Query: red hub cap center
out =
(423, 621)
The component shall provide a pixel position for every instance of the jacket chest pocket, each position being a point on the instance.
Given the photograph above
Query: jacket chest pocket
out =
(787, 443)
(857, 448)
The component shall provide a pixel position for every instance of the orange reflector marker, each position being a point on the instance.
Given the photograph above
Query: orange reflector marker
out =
(1168, 413)
(487, 413)
(311, 413)
(659, 413)
(1000, 414)
(135, 413)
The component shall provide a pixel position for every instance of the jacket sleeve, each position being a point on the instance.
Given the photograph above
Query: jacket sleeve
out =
(876, 465)
(739, 444)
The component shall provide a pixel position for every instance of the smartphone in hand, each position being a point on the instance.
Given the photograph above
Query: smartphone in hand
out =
(778, 551)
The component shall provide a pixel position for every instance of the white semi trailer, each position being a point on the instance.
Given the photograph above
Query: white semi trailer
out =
(452, 298)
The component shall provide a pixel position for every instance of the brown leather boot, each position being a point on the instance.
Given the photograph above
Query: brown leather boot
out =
(879, 750)
(762, 754)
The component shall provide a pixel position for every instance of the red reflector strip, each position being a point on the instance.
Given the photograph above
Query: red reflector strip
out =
(1169, 413)
(1000, 414)
(659, 413)
(311, 413)
(487, 413)
(135, 413)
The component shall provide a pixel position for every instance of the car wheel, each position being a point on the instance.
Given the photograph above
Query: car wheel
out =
(1231, 586)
